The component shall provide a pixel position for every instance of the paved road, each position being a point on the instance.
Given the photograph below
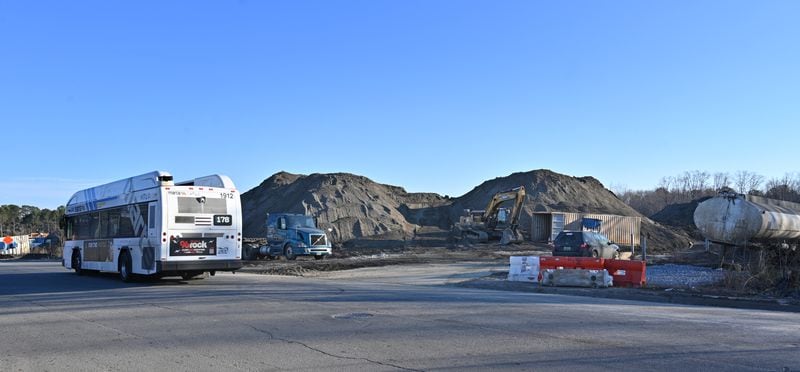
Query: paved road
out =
(54, 320)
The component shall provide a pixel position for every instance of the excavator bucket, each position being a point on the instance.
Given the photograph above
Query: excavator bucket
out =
(510, 236)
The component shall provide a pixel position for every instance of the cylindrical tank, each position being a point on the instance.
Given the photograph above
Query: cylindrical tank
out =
(737, 219)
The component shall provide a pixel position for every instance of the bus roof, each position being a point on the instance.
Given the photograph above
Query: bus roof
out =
(214, 180)
(96, 197)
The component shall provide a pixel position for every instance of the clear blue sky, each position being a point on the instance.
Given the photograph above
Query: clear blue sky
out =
(430, 95)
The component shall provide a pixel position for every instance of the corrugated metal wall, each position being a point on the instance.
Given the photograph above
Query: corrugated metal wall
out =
(618, 228)
(540, 227)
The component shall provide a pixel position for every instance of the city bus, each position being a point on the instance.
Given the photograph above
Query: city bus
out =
(151, 226)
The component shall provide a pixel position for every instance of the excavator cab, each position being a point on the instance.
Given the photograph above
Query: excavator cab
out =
(497, 221)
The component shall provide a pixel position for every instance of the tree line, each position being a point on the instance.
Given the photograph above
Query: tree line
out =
(26, 219)
(692, 185)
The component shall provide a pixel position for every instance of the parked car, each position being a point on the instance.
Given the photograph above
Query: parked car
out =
(584, 244)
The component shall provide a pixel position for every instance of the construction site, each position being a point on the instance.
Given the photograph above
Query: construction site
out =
(518, 217)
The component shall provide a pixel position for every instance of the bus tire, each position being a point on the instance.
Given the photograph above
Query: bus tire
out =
(187, 275)
(125, 267)
(288, 252)
(77, 262)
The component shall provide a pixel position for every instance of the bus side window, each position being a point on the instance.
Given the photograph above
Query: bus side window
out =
(94, 226)
(69, 227)
(152, 217)
(125, 225)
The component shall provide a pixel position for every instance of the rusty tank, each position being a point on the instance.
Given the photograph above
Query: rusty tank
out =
(738, 219)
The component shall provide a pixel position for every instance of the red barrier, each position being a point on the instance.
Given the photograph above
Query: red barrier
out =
(587, 263)
(627, 273)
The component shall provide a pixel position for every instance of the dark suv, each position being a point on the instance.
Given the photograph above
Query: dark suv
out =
(584, 244)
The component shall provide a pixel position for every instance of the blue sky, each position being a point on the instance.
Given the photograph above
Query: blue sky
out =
(433, 96)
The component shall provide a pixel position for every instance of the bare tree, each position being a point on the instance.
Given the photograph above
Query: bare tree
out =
(746, 181)
(721, 179)
(684, 181)
(785, 188)
(666, 182)
(663, 189)
(698, 182)
(619, 189)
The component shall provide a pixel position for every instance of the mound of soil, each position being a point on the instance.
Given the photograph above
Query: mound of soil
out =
(358, 209)
(680, 216)
(548, 191)
(352, 206)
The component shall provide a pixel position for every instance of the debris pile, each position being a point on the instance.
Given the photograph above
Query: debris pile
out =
(356, 207)
(352, 206)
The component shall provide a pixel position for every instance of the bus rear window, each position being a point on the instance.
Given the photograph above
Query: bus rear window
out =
(202, 205)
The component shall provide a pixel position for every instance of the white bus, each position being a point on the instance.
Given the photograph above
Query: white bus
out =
(150, 225)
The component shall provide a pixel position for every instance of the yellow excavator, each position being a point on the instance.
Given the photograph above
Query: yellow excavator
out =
(494, 222)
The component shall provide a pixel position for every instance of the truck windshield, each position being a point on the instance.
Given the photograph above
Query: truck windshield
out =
(299, 221)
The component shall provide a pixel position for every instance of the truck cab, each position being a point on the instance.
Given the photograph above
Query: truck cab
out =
(291, 235)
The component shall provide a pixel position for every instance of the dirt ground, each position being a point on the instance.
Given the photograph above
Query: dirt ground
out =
(497, 256)
(375, 255)
(365, 256)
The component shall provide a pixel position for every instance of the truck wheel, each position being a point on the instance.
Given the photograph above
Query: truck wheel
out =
(288, 252)
(595, 254)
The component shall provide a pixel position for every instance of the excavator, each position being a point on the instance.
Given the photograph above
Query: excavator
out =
(494, 222)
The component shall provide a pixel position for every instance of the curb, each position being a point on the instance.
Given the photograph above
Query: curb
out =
(632, 294)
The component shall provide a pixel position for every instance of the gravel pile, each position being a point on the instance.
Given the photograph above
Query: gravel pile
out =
(682, 276)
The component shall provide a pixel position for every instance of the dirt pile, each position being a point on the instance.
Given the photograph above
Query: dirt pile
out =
(356, 207)
(680, 216)
(352, 206)
(548, 191)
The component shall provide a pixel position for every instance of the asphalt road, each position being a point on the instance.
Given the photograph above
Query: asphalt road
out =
(396, 318)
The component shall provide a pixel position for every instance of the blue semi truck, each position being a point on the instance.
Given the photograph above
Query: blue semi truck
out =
(292, 235)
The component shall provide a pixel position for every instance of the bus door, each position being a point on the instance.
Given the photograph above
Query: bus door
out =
(152, 239)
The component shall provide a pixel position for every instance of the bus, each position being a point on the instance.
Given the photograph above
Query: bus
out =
(151, 226)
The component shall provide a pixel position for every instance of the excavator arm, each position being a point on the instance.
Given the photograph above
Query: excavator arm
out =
(471, 230)
(518, 194)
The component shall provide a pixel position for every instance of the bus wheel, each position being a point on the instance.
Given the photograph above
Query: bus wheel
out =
(288, 253)
(77, 262)
(125, 267)
(186, 275)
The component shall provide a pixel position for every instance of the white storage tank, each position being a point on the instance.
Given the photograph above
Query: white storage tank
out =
(737, 219)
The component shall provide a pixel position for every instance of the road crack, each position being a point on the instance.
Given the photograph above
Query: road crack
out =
(323, 352)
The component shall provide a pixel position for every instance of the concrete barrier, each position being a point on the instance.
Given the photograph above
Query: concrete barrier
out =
(523, 269)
